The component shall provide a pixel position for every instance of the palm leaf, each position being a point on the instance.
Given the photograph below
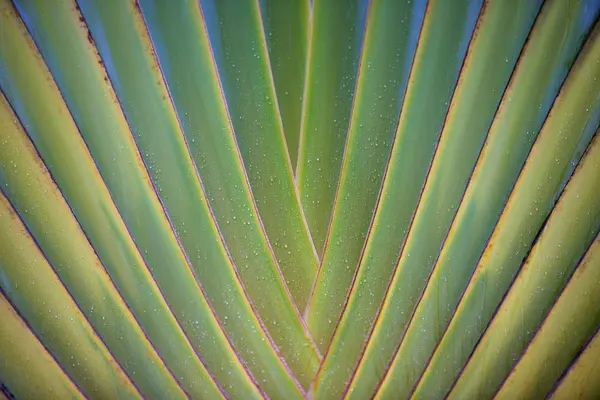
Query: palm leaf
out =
(580, 379)
(23, 354)
(294, 199)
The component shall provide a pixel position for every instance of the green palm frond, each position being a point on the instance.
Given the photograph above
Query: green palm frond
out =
(296, 199)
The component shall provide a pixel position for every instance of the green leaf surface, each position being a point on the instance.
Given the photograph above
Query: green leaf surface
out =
(334, 52)
(173, 172)
(421, 120)
(235, 28)
(581, 381)
(178, 32)
(35, 197)
(57, 138)
(32, 287)
(554, 346)
(382, 80)
(571, 228)
(486, 70)
(287, 25)
(440, 202)
(568, 129)
(23, 356)
(299, 199)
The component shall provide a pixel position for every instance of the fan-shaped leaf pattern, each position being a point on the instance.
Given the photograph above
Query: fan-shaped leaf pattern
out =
(299, 199)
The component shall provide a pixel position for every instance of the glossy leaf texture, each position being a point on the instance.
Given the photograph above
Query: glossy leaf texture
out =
(371, 131)
(336, 41)
(296, 199)
(287, 27)
(241, 55)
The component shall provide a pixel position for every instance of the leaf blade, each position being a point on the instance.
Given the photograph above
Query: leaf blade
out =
(286, 25)
(469, 116)
(22, 355)
(52, 130)
(337, 33)
(240, 50)
(581, 377)
(552, 349)
(164, 149)
(573, 224)
(467, 327)
(49, 220)
(365, 156)
(181, 41)
(64, 330)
